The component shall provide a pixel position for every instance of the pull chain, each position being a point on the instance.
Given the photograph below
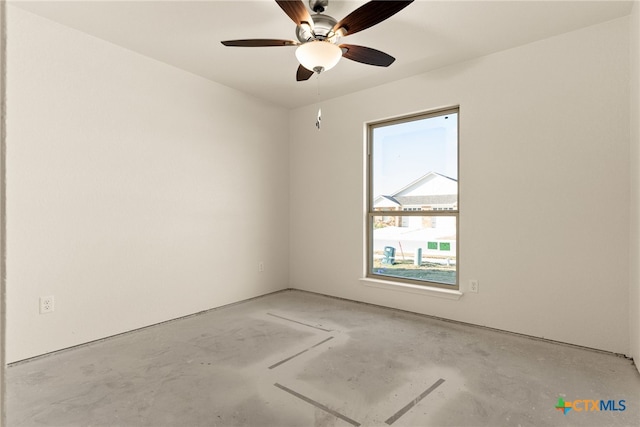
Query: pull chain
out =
(319, 117)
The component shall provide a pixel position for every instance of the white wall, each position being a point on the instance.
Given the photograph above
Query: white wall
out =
(136, 192)
(2, 213)
(139, 193)
(634, 293)
(544, 185)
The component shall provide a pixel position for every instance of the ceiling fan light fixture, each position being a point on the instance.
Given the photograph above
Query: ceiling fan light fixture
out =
(318, 55)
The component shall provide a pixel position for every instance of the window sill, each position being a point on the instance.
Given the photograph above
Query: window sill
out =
(414, 289)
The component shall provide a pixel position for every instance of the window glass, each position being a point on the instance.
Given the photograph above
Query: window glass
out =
(413, 199)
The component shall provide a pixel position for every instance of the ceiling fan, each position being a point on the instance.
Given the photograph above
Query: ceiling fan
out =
(318, 35)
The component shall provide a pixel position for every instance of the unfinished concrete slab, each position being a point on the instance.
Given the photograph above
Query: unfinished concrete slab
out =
(299, 359)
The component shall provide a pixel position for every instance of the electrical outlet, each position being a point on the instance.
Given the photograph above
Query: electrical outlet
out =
(473, 286)
(261, 266)
(47, 304)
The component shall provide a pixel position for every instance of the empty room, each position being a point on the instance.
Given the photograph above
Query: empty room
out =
(320, 213)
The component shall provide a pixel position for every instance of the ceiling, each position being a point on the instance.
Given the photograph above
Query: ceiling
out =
(426, 35)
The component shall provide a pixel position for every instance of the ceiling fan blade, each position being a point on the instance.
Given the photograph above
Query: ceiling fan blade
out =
(366, 55)
(259, 42)
(370, 14)
(303, 74)
(296, 10)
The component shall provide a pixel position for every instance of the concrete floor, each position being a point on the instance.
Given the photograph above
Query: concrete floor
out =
(300, 359)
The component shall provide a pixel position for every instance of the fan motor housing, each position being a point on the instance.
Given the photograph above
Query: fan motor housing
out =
(322, 26)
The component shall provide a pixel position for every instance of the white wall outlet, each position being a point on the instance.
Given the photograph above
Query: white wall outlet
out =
(261, 266)
(47, 304)
(473, 286)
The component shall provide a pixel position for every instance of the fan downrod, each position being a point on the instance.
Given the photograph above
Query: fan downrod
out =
(318, 6)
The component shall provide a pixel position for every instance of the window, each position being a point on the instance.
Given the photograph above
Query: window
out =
(412, 212)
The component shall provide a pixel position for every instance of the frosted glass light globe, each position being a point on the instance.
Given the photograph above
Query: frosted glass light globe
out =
(318, 55)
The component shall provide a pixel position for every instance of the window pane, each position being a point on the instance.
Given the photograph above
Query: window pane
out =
(415, 247)
(415, 165)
